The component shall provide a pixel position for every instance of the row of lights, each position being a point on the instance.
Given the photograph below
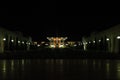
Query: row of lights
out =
(107, 39)
(38, 45)
(75, 44)
(4, 39)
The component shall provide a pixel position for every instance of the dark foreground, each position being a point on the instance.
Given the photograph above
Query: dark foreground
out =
(59, 69)
(59, 54)
(59, 64)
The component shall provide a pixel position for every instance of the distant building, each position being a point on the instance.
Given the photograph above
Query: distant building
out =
(57, 42)
(13, 41)
(71, 43)
(107, 40)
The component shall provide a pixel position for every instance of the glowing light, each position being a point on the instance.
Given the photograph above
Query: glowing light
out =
(66, 44)
(93, 41)
(29, 43)
(99, 40)
(118, 37)
(42, 42)
(89, 42)
(46, 44)
(52, 46)
(35, 43)
(4, 39)
(18, 41)
(107, 39)
(61, 46)
(22, 42)
(38, 45)
(12, 40)
(75, 45)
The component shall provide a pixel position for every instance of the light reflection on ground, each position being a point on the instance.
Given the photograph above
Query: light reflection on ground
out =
(60, 69)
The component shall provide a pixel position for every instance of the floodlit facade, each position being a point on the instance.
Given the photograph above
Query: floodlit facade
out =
(13, 41)
(107, 40)
(57, 42)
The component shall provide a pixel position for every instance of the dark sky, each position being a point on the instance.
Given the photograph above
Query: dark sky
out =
(40, 23)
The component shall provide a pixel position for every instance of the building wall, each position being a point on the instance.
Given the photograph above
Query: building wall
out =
(103, 41)
(13, 41)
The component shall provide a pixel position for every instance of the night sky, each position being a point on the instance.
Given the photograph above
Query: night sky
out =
(40, 23)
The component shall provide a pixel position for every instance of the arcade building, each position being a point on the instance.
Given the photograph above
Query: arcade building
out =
(13, 41)
(106, 40)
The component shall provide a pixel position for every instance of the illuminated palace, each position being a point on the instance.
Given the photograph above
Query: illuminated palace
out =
(57, 42)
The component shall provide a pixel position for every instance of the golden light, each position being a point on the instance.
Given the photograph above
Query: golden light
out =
(35, 43)
(57, 42)
(59, 39)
